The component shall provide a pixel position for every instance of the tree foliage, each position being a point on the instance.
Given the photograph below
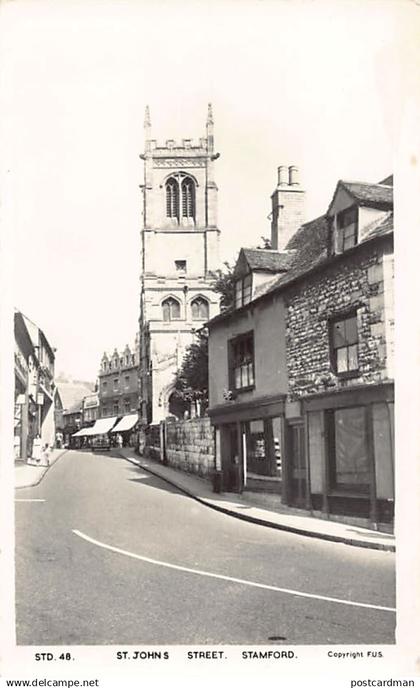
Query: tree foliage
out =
(224, 284)
(192, 379)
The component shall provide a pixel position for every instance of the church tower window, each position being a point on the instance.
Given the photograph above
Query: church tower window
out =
(171, 309)
(200, 309)
(188, 197)
(172, 198)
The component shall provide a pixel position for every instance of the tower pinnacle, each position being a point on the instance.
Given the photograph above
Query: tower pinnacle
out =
(210, 114)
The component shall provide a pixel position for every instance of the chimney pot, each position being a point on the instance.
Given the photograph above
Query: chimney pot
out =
(282, 175)
(293, 175)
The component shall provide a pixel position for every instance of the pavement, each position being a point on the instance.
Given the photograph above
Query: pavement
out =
(243, 506)
(29, 475)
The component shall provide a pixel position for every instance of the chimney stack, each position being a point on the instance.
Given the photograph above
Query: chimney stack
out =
(288, 202)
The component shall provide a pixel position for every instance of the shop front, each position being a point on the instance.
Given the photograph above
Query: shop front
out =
(249, 445)
(350, 440)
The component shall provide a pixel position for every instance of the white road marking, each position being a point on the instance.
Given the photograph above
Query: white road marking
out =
(29, 500)
(229, 578)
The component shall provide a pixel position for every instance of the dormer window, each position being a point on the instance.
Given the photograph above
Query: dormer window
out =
(243, 291)
(347, 229)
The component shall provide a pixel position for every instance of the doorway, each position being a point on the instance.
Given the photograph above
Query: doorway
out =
(298, 483)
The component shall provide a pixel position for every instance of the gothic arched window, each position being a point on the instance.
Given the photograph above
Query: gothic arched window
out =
(171, 309)
(200, 309)
(172, 198)
(188, 197)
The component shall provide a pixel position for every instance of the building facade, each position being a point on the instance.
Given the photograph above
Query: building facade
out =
(26, 409)
(34, 387)
(90, 409)
(118, 383)
(301, 371)
(180, 250)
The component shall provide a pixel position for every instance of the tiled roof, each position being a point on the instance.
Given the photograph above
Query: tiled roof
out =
(310, 244)
(310, 248)
(384, 225)
(370, 194)
(266, 259)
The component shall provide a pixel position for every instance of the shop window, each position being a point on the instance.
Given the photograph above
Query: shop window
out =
(171, 309)
(263, 443)
(348, 453)
(243, 291)
(347, 229)
(344, 345)
(200, 309)
(241, 366)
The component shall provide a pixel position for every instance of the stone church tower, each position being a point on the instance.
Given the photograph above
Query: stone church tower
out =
(180, 248)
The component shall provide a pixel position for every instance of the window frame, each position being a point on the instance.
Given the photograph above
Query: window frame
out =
(244, 289)
(332, 322)
(233, 367)
(188, 204)
(342, 226)
(172, 198)
(335, 487)
(204, 301)
(165, 301)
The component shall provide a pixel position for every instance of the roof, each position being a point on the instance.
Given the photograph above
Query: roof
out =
(72, 393)
(266, 260)
(311, 246)
(371, 195)
(308, 248)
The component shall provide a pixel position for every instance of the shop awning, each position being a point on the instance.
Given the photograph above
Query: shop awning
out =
(126, 423)
(102, 426)
(81, 432)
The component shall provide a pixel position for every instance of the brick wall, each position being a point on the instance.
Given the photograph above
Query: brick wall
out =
(356, 280)
(190, 445)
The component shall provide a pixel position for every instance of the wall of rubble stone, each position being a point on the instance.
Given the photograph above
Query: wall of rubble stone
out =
(355, 281)
(190, 445)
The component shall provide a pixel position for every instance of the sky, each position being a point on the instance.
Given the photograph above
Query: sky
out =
(316, 84)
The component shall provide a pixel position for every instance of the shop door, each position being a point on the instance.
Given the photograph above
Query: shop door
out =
(231, 468)
(297, 463)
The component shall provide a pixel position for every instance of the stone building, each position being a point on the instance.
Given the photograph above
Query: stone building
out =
(118, 383)
(301, 371)
(180, 249)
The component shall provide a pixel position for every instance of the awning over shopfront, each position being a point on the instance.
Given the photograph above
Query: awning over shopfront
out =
(81, 433)
(102, 426)
(126, 423)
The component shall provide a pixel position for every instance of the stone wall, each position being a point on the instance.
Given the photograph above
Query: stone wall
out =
(354, 281)
(190, 445)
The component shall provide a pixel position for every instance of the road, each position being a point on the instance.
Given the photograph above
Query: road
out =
(92, 568)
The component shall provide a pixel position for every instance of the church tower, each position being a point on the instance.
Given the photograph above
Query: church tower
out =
(180, 250)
